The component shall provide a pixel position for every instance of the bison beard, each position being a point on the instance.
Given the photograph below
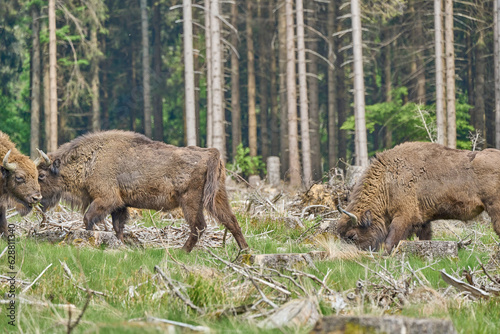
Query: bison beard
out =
(407, 187)
(107, 172)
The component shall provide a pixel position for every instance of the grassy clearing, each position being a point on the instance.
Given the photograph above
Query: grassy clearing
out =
(134, 291)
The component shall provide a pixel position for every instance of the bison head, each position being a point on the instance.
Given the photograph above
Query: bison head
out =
(51, 182)
(20, 178)
(364, 232)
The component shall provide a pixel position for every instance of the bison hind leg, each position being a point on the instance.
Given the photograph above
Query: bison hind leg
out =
(96, 212)
(424, 232)
(193, 213)
(120, 217)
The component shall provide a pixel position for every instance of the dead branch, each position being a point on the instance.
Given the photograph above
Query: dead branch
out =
(36, 279)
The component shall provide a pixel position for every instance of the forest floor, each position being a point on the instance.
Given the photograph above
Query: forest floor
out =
(151, 286)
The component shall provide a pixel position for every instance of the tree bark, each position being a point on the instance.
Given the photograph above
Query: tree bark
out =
(314, 110)
(387, 84)
(35, 83)
(450, 75)
(285, 160)
(189, 73)
(46, 94)
(275, 130)
(440, 112)
(496, 59)
(52, 141)
(208, 59)
(420, 47)
(341, 94)
(293, 140)
(218, 111)
(235, 85)
(157, 91)
(304, 107)
(146, 82)
(263, 60)
(359, 87)
(332, 88)
(96, 110)
(479, 109)
(252, 116)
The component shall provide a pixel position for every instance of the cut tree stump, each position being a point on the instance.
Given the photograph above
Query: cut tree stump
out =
(376, 325)
(428, 248)
(281, 260)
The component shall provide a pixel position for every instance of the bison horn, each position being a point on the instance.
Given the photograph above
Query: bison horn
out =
(8, 165)
(44, 156)
(353, 217)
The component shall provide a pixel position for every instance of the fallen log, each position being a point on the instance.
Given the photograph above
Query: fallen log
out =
(428, 248)
(388, 324)
(281, 260)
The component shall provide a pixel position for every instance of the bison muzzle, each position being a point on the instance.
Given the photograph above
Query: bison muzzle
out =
(407, 187)
(107, 172)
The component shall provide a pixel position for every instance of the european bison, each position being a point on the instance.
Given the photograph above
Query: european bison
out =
(107, 172)
(18, 181)
(407, 187)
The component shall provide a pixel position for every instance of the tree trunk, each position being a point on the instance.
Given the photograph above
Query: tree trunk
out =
(52, 141)
(208, 43)
(189, 74)
(470, 78)
(235, 84)
(359, 87)
(157, 91)
(450, 75)
(46, 93)
(314, 111)
(304, 107)
(479, 109)
(252, 116)
(218, 111)
(440, 113)
(420, 47)
(283, 90)
(387, 84)
(341, 94)
(104, 86)
(264, 59)
(133, 64)
(35, 83)
(293, 140)
(332, 88)
(96, 110)
(496, 61)
(275, 130)
(146, 70)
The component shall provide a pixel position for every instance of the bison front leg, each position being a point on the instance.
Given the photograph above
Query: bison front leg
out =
(193, 213)
(399, 229)
(97, 211)
(3, 221)
(120, 218)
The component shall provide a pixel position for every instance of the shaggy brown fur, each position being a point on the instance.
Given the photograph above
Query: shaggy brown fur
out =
(407, 187)
(107, 172)
(19, 186)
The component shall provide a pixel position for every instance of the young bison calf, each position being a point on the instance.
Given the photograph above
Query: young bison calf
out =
(107, 172)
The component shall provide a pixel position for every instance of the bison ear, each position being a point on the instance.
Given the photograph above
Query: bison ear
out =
(54, 168)
(5, 172)
(366, 220)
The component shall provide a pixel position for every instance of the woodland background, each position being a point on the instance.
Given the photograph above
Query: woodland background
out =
(123, 65)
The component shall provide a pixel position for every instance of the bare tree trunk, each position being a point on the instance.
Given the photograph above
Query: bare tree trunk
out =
(208, 43)
(266, 47)
(96, 109)
(450, 75)
(46, 94)
(252, 116)
(189, 73)
(293, 140)
(479, 110)
(496, 58)
(304, 107)
(157, 92)
(470, 79)
(359, 87)
(440, 113)
(332, 88)
(35, 83)
(133, 64)
(146, 70)
(275, 132)
(341, 92)
(283, 90)
(52, 141)
(420, 46)
(218, 111)
(314, 111)
(235, 84)
(387, 84)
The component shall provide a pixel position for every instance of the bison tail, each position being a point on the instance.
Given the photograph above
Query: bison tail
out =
(215, 175)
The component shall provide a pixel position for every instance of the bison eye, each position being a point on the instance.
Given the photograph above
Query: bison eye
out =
(352, 236)
(19, 179)
(41, 177)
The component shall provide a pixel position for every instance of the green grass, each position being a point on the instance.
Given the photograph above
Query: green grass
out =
(127, 276)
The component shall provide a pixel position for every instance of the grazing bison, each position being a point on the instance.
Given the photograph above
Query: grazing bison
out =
(18, 181)
(107, 172)
(407, 187)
